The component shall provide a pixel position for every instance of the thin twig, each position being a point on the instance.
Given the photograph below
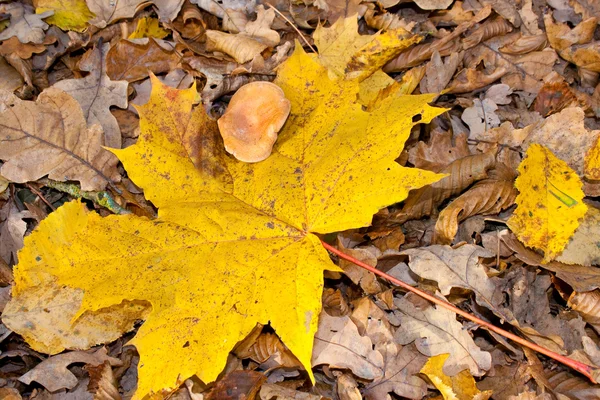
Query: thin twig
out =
(41, 196)
(293, 26)
(592, 373)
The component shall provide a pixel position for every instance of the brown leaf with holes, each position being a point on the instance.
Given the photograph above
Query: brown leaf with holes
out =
(96, 93)
(131, 61)
(462, 173)
(51, 137)
(488, 196)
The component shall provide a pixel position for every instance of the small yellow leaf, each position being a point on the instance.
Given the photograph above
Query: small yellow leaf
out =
(148, 27)
(549, 204)
(70, 15)
(458, 387)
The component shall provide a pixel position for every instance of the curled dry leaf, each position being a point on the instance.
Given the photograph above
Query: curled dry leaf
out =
(96, 93)
(587, 304)
(131, 61)
(241, 48)
(549, 204)
(572, 387)
(438, 73)
(525, 44)
(339, 345)
(334, 303)
(460, 386)
(24, 23)
(435, 331)
(494, 27)
(268, 345)
(103, 384)
(255, 114)
(460, 174)
(386, 20)
(54, 375)
(51, 137)
(489, 196)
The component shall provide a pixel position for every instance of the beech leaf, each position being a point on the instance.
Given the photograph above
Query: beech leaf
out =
(549, 204)
(233, 248)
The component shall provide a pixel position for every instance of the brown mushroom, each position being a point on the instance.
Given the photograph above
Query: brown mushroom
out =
(256, 113)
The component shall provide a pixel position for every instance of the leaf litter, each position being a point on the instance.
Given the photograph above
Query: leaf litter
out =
(515, 148)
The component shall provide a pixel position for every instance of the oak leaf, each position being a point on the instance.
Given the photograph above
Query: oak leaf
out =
(51, 137)
(230, 248)
(436, 331)
(108, 12)
(550, 202)
(24, 24)
(96, 93)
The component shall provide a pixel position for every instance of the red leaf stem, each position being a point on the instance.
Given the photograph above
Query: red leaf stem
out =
(592, 373)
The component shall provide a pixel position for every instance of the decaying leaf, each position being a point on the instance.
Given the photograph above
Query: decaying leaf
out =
(339, 345)
(12, 230)
(51, 137)
(458, 387)
(131, 61)
(107, 12)
(53, 374)
(24, 23)
(248, 240)
(435, 331)
(402, 364)
(549, 204)
(96, 93)
(69, 15)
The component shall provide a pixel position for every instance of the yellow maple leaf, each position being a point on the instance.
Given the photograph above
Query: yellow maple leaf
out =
(458, 387)
(148, 27)
(70, 15)
(549, 204)
(230, 247)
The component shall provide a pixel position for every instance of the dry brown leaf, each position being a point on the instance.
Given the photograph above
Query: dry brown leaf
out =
(334, 303)
(435, 331)
(489, 196)
(587, 304)
(339, 345)
(266, 346)
(131, 61)
(237, 385)
(25, 24)
(23, 50)
(462, 173)
(385, 20)
(402, 365)
(108, 12)
(554, 97)
(525, 44)
(581, 279)
(583, 247)
(433, 4)
(275, 392)
(528, 71)
(96, 93)
(506, 380)
(372, 322)
(360, 276)
(572, 387)
(528, 302)
(54, 375)
(103, 384)
(11, 78)
(51, 137)
(443, 148)
(260, 29)
(242, 48)
(491, 28)
(438, 73)
(9, 394)
(456, 15)
(531, 396)
(459, 268)
(12, 230)
(347, 388)
(575, 45)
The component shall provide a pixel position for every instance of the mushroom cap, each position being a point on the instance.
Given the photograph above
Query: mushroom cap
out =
(256, 113)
